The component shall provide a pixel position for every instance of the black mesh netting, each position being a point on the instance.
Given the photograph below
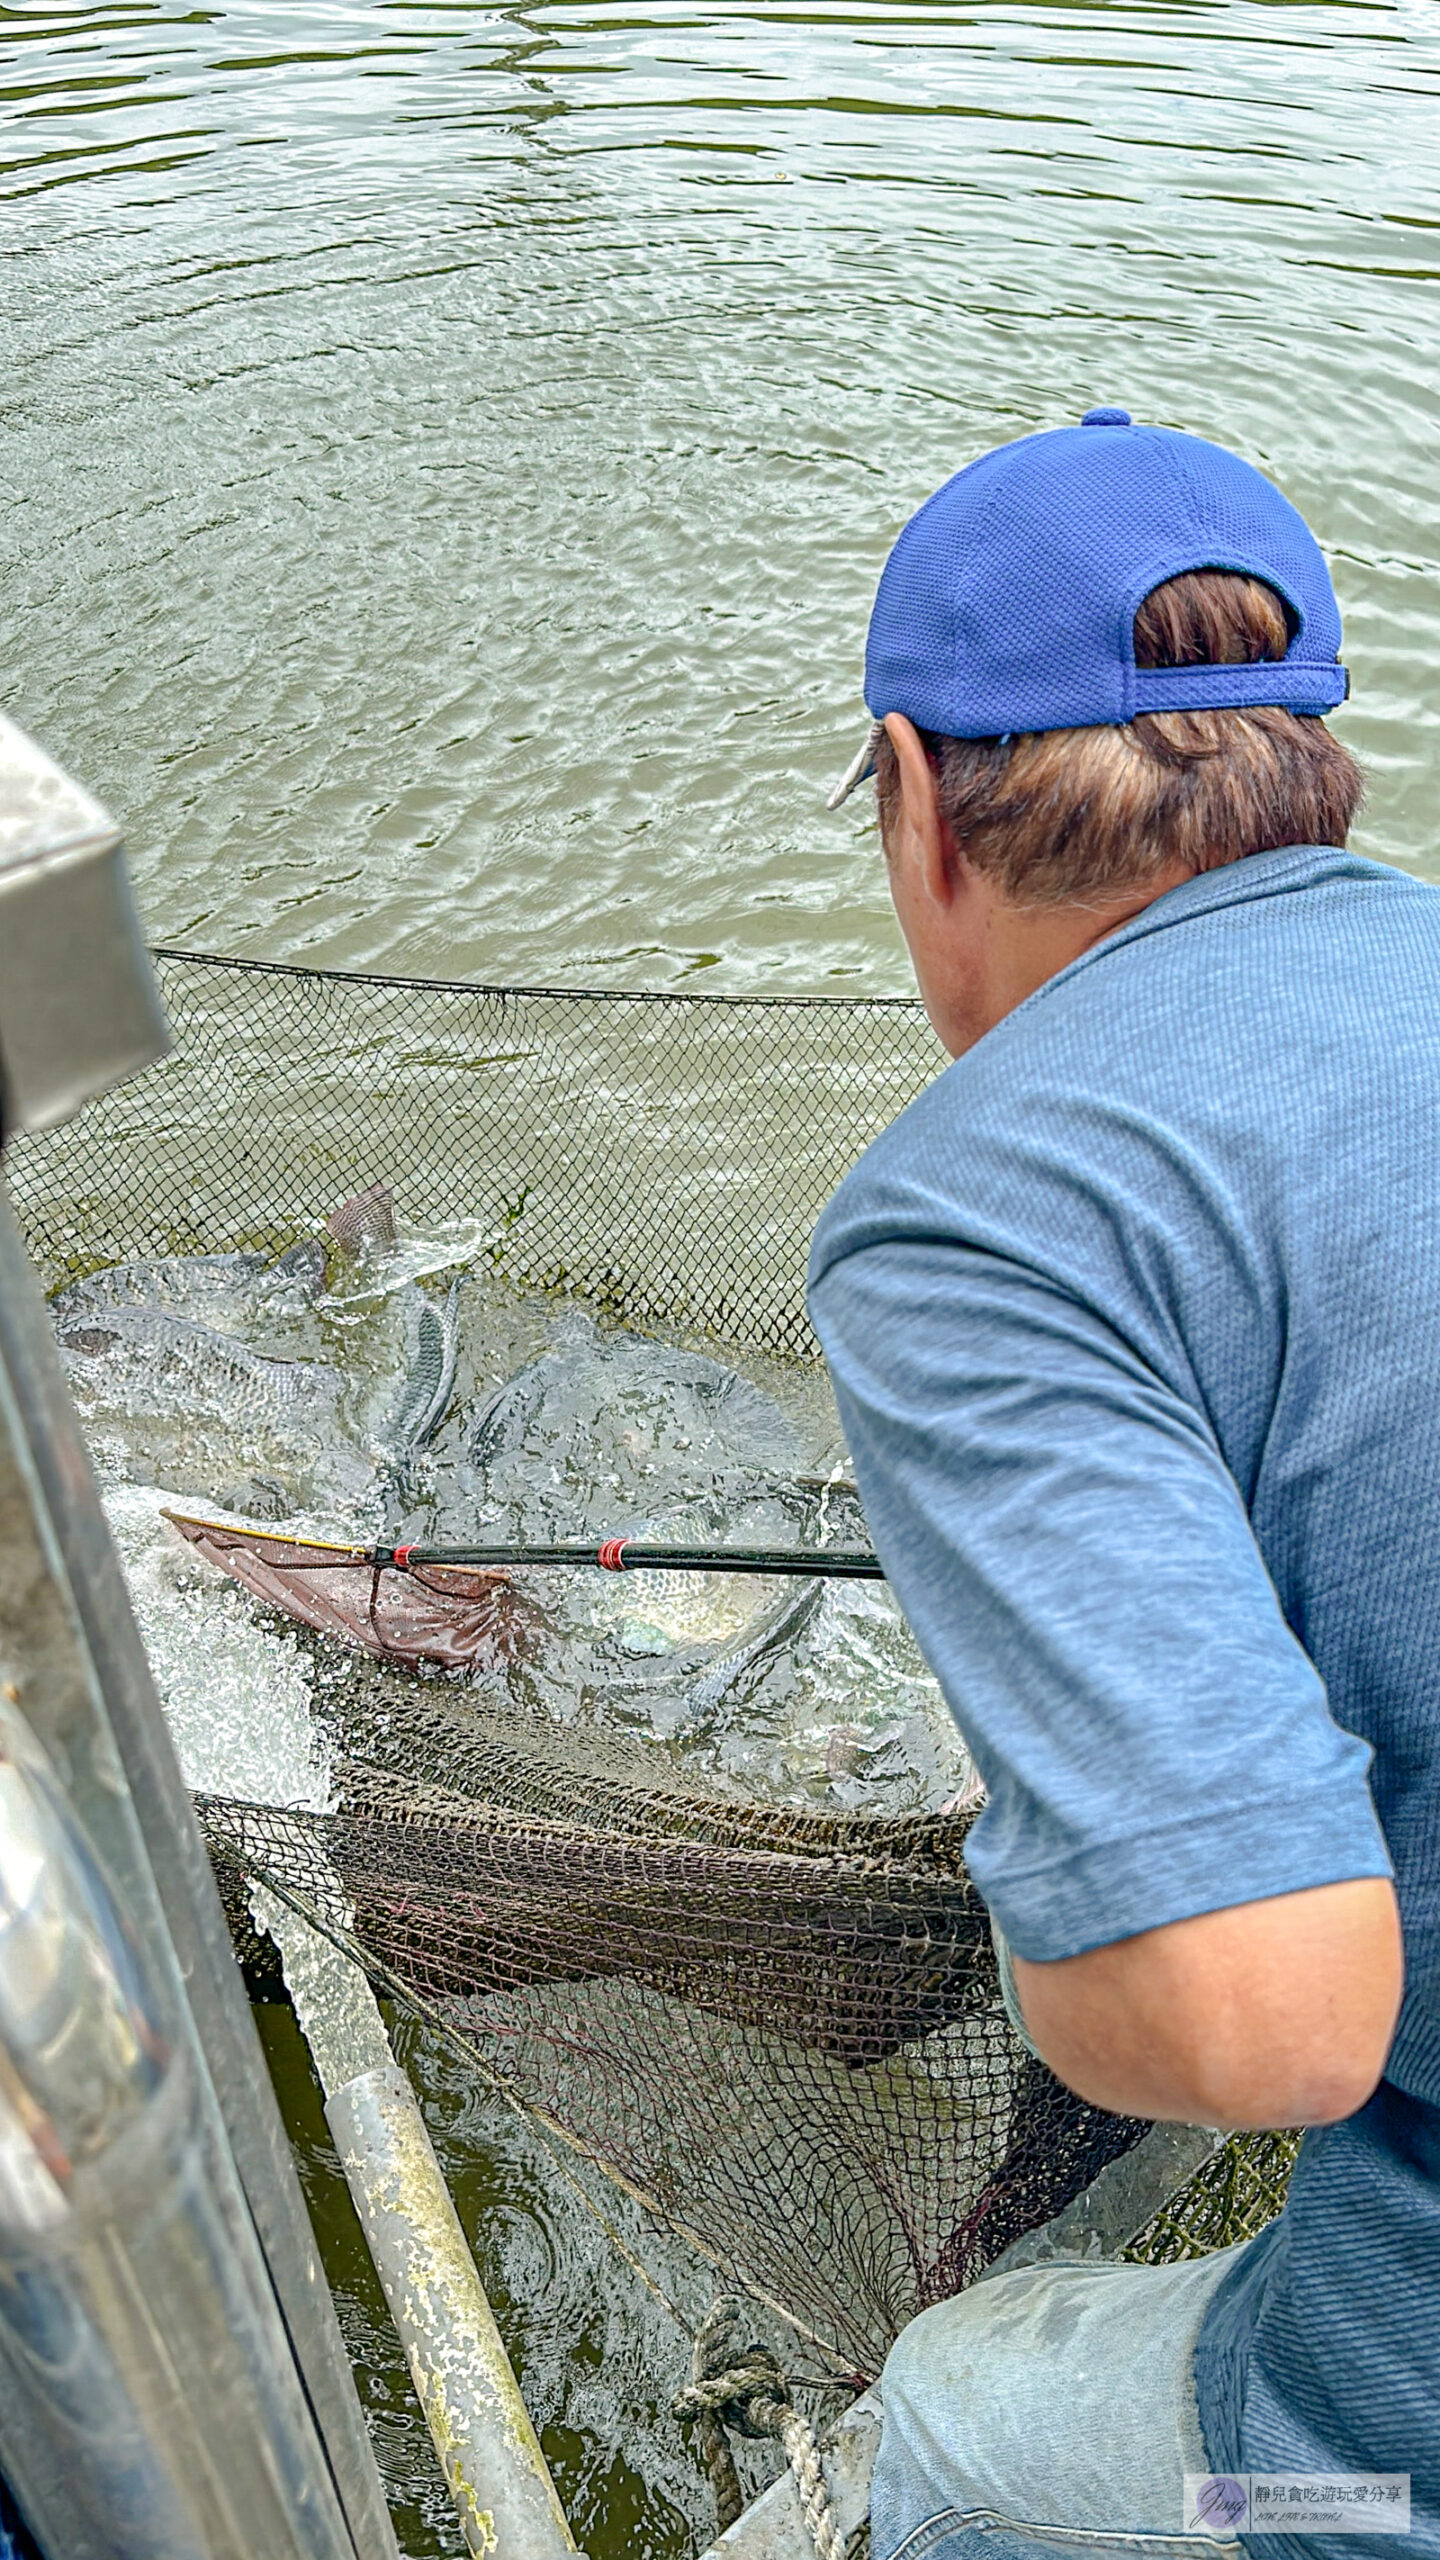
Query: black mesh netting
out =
(661, 1156)
(779, 2027)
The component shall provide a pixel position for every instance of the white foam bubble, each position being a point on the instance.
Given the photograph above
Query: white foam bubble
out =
(237, 1693)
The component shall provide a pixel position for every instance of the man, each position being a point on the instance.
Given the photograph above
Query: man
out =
(1134, 1321)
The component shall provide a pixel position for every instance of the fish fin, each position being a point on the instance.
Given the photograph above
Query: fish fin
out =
(365, 1224)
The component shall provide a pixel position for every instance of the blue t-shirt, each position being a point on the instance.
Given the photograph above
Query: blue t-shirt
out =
(1134, 1322)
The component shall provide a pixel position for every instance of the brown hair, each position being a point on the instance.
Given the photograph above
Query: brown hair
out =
(1067, 813)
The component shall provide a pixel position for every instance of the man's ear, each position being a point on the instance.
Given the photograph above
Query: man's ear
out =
(923, 839)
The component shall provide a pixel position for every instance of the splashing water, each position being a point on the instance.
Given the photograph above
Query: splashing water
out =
(269, 1393)
(557, 1428)
(238, 1691)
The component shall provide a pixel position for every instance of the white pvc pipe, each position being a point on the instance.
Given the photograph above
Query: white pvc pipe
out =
(464, 2380)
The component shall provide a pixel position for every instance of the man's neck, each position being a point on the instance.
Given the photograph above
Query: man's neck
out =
(1027, 945)
(1007, 951)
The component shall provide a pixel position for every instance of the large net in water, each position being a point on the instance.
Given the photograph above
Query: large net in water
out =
(664, 1156)
(778, 2025)
(781, 2028)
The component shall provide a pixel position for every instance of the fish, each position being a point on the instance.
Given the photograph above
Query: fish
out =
(241, 1379)
(364, 1230)
(649, 1423)
(425, 1396)
(613, 1434)
(366, 1224)
(459, 1617)
(170, 1378)
(169, 1399)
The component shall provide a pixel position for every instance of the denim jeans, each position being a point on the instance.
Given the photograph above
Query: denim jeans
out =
(1048, 2414)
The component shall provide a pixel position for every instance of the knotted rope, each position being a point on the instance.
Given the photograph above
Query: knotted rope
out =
(743, 2386)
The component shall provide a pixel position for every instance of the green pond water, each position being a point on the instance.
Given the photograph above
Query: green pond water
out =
(449, 450)
(448, 455)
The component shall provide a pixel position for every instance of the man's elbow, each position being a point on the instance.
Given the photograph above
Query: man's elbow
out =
(1303, 2079)
(1272, 2013)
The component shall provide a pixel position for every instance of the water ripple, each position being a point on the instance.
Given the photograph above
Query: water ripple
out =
(454, 447)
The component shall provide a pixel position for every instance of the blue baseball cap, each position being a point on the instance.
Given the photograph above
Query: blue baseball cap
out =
(1009, 601)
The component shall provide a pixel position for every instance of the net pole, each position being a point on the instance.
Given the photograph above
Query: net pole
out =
(625, 1555)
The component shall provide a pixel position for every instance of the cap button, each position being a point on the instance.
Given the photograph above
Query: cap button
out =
(1106, 418)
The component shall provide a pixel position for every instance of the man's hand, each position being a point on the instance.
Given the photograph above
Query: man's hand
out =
(1273, 2013)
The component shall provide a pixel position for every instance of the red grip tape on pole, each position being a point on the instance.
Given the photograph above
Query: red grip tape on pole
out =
(612, 1555)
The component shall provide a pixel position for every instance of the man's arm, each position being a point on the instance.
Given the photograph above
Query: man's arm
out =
(1271, 2013)
(1162, 1769)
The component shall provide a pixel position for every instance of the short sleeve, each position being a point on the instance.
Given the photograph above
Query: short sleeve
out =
(1065, 1539)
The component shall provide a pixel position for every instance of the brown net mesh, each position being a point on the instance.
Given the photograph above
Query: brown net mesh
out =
(445, 1615)
(779, 2026)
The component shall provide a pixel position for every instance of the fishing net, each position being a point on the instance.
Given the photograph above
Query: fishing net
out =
(778, 2026)
(447, 1616)
(782, 2029)
(664, 1157)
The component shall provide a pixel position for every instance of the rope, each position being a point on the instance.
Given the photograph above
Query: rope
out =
(744, 2387)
